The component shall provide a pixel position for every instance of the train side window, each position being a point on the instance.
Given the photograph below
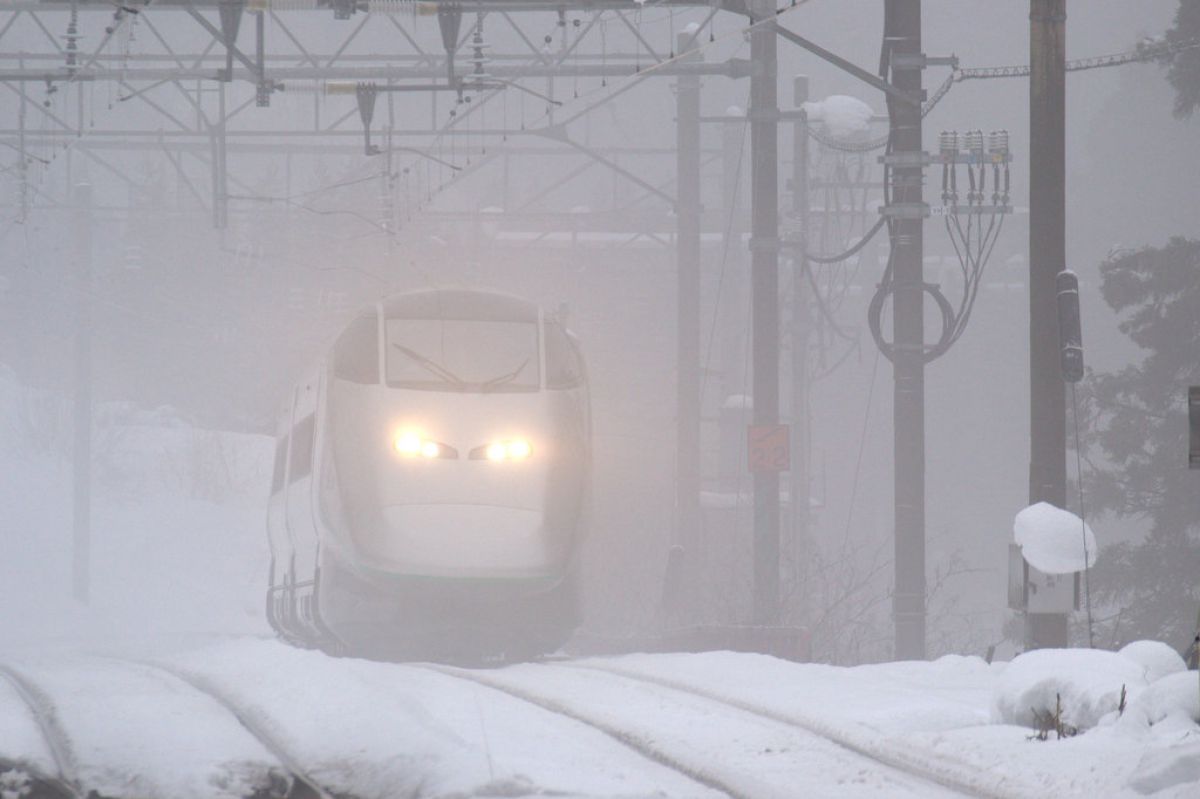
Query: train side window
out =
(302, 448)
(563, 367)
(280, 465)
(356, 353)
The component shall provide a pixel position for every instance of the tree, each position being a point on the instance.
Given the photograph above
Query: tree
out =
(1139, 420)
(1183, 70)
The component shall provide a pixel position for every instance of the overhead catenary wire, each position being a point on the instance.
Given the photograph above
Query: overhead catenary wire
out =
(1142, 53)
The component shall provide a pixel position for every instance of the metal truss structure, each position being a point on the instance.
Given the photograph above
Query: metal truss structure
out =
(181, 78)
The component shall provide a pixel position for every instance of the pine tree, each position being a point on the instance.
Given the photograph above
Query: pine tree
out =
(1139, 423)
(1183, 69)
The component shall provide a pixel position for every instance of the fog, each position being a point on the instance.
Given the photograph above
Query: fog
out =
(197, 333)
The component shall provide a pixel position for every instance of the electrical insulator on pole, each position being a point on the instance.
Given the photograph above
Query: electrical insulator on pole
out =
(1070, 338)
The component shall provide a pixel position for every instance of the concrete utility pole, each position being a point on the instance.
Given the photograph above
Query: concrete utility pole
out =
(800, 320)
(687, 259)
(1047, 257)
(902, 37)
(764, 246)
(82, 411)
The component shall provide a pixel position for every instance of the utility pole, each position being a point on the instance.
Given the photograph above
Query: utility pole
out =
(799, 490)
(764, 277)
(687, 259)
(82, 411)
(1047, 257)
(902, 38)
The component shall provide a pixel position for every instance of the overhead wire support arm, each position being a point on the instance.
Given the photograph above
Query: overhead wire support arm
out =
(847, 66)
(229, 39)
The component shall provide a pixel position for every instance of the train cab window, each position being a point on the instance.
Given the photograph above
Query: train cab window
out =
(473, 355)
(356, 352)
(280, 464)
(564, 368)
(302, 448)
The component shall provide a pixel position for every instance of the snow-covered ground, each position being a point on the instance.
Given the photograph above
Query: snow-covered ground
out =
(167, 684)
(637, 725)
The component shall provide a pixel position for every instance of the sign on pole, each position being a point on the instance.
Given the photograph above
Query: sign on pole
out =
(769, 448)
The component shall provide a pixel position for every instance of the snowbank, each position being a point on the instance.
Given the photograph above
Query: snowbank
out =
(1088, 683)
(1155, 657)
(1171, 772)
(1052, 539)
(177, 523)
(1175, 697)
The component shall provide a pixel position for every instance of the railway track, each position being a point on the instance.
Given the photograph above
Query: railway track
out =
(739, 722)
(302, 786)
(65, 782)
(633, 741)
(714, 738)
(69, 781)
(922, 764)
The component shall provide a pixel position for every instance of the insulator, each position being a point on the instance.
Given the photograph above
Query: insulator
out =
(948, 142)
(998, 142)
(973, 141)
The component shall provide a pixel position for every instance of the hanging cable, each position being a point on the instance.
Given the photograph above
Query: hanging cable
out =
(866, 239)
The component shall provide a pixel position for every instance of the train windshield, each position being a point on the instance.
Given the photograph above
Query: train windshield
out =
(463, 355)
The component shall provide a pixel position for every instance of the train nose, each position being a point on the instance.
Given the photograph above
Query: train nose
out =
(454, 539)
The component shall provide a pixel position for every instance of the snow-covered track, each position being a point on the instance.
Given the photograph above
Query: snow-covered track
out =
(734, 750)
(65, 782)
(303, 786)
(643, 747)
(931, 766)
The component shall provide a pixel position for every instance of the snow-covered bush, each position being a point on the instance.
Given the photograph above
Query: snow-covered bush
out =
(1088, 683)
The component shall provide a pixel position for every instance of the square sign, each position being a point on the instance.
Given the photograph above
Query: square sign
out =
(769, 448)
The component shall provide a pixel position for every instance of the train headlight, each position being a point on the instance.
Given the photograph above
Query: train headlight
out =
(411, 445)
(515, 450)
(519, 449)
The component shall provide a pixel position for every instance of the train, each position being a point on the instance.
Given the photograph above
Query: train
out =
(431, 481)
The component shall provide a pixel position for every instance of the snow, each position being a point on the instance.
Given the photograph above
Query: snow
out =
(1174, 695)
(1169, 773)
(841, 116)
(197, 750)
(1155, 657)
(1052, 539)
(1086, 682)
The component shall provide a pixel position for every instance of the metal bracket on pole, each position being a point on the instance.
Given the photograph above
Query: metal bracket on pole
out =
(231, 17)
(365, 94)
(846, 66)
(263, 89)
(920, 61)
(449, 17)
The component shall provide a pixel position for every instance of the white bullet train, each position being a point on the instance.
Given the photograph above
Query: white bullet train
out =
(430, 481)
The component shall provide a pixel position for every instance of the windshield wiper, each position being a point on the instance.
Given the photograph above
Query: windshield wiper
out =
(431, 366)
(487, 385)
